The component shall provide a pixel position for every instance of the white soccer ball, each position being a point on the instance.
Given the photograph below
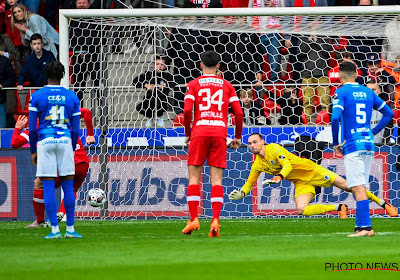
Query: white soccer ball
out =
(96, 197)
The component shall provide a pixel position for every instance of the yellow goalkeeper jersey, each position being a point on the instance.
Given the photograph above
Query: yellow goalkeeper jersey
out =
(278, 160)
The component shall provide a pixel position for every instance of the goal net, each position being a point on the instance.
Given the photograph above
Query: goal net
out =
(131, 67)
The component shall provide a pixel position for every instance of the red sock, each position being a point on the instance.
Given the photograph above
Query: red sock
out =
(38, 205)
(62, 208)
(193, 200)
(217, 199)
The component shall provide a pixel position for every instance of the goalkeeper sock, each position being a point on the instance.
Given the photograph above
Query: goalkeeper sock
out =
(318, 209)
(69, 200)
(363, 219)
(217, 199)
(193, 200)
(38, 205)
(50, 201)
(375, 199)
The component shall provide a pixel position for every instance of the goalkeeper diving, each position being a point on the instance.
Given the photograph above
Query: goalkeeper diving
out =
(303, 173)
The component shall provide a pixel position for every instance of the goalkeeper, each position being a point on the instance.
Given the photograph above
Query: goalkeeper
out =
(303, 173)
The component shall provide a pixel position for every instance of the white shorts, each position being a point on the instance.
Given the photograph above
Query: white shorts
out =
(55, 157)
(358, 165)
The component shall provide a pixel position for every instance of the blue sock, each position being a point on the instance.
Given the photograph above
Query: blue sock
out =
(69, 200)
(362, 212)
(50, 202)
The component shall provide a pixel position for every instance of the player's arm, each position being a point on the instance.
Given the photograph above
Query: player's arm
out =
(253, 176)
(187, 112)
(75, 122)
(283, 161)
(337, 111)
(86, 115)
(33, 114)
(387, 113)
(20, 139)
(237, 110)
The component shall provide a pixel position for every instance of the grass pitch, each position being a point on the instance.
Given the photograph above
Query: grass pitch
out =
(247, 249)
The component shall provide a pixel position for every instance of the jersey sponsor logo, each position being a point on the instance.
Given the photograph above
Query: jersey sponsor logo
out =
(56, 99)
(211, 123)
(55, 141)
(211, 114)
(365, 141)
(335, 101)
(211, 80)
(359, 95)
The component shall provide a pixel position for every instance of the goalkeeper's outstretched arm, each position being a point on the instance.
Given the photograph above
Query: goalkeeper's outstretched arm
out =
(239, 194)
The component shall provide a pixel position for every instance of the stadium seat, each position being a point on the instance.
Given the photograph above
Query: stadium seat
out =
(322, 118)
(18, 107)
(396, 117)
(269, 106)
(178, 121)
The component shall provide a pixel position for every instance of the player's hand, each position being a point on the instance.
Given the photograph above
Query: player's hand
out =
(90, 140)
(20, 87)
(235, 143)
(34, 159)
(187, 140)
(274, 180)
(236, 195)
(338, 149)
(22, 122)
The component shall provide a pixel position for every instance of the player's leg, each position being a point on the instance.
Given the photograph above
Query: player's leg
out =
(357, 166)
(217, 163)
(47, 170)
(66, 170)
(81, 170)
(341, 183)
(38, 205)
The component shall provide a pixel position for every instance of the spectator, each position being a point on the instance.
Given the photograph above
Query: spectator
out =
(158, 84)
(7, 79)
(184, 48)
(383, 137)
(271, 41)
(393, 68)
(333, 74)
(85, 45)
(391, 45)
(377, 73)
(2, 15)
(29, 23)
(314, 54)
(52, 7)
(35, 64)
(253, 112)
(291, 106)
(32, 5)
(7, 48)
(15, 36)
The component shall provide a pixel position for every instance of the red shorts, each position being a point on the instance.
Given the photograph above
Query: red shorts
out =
(203, 147)
(81, 170)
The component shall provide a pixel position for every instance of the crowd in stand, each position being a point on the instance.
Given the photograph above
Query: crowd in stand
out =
(30, 40)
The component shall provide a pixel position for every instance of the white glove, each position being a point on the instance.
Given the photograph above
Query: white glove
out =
(236, 195)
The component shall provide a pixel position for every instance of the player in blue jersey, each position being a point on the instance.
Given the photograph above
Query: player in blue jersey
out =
(352, 106)
(59, 115)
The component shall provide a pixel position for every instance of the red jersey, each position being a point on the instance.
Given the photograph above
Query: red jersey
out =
(211, 96)
(20, 139)
(333, 76)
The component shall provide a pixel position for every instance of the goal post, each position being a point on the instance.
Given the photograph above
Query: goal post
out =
(141, 162)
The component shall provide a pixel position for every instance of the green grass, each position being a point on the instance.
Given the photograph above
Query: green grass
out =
(247, 249)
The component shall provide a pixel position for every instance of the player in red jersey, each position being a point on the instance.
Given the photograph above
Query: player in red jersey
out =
(211, 96)
(81, 165)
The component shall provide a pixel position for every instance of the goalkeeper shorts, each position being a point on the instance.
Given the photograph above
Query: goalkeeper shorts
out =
(322, 178)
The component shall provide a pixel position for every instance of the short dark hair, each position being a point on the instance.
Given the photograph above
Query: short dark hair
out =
(36, 36)
(372, 81)
(54, 71)
(256, 133)
(210, 58)
(159, 57)
(347, 67)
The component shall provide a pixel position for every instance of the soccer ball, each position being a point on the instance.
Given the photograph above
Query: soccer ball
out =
(96, 197)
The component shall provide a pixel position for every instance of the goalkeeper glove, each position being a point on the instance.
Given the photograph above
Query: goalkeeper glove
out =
(236, 195)
(275, 180)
